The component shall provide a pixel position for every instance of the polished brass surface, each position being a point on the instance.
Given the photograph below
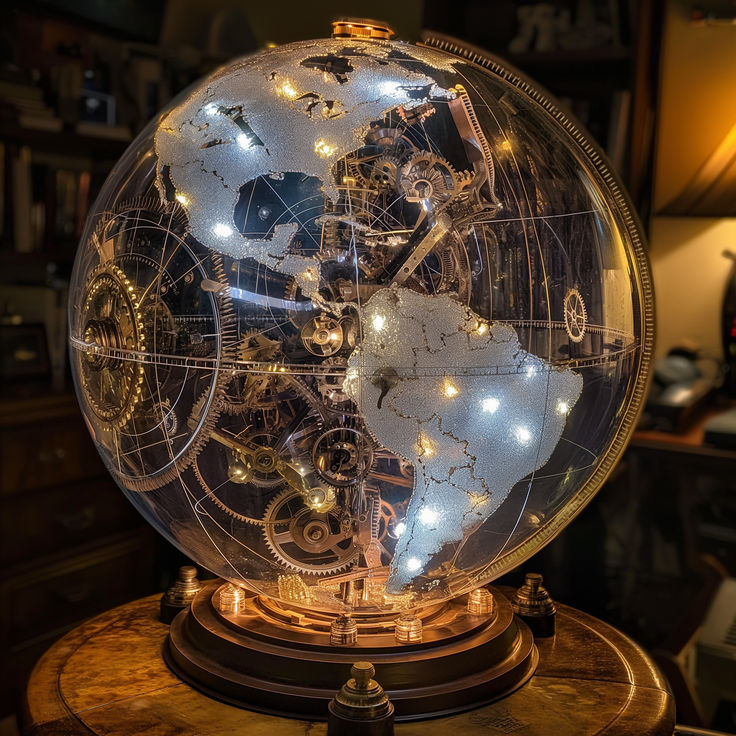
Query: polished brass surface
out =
(230, 599)
(408, 629)
(107, 677)
(263, 659)
(361, 708)
(344, 632)
(361, 28)
(480, 602)
(533, 604)
(180, 594)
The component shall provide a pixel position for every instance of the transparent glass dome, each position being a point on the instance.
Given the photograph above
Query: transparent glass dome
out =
(360, 323)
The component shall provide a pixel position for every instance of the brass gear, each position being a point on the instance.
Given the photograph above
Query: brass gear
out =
(112, 322)
(426, 176)
(343, 455)
(385, 172)
(576, 316)
(304, 540)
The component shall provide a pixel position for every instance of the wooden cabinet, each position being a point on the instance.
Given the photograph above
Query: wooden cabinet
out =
(71, 545)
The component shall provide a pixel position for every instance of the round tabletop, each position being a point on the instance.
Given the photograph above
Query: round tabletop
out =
(108, 677)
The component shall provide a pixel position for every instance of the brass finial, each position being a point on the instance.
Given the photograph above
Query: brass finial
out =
(180, 594)
(408, 629)
(343, 631)
(361, 28)
(533, 604)
(361, 699)
(480, 602)
(231, 599)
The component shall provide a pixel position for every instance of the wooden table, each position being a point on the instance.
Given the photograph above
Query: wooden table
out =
(108, 677)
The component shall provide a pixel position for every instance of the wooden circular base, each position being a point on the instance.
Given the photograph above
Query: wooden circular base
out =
(107, 678)
(261, 660)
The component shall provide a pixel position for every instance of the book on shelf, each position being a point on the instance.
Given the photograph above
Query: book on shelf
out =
(22, 201)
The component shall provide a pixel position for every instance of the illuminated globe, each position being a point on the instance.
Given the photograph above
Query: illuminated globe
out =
(360, 323)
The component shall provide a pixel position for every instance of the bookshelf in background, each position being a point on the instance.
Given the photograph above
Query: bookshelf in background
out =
(597, 57)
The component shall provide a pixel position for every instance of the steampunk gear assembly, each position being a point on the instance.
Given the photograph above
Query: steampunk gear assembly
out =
(360, 325)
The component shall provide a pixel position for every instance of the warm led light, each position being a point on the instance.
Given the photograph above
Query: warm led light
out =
(425, 446)
(378, 322)
(481, 328)
(450, 389)
(428, 515)
(287, 89)
(182, 199)
(222, 230)
(563, 407)
(413, 564)
(324, 149)
(523, 435)
(491, 404)
(506, 145)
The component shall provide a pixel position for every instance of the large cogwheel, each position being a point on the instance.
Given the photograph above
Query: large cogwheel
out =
(113, 331)
(307, 541)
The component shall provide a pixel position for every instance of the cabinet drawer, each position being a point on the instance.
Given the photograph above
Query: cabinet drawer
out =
(53, 597)
(41, 455)
(42, 521)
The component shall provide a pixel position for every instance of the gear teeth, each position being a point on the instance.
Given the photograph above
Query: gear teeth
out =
(225, 315)
(290, 563)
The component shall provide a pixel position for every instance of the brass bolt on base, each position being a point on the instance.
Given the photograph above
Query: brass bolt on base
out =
(343, 631)
(408, 629)
(361, 708)
(180, 594)
(480, 602)
(533, 605)
(231, 599)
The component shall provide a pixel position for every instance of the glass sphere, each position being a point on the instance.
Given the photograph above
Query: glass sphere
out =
(360, 323)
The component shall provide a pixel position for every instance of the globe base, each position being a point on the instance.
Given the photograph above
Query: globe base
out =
(261, 656)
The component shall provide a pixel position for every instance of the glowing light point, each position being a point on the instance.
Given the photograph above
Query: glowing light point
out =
(222, 230)
(245, 141)
(428, 515)
(324, 149)
(425, 447)
(523, 435)
(389, 88)
(378, 322)
(287, 89)
(413, 564)
(399, 529)
(491, 404)
(563, 407)
(481, 328)
(182, 199)
(210, 109)
(450, 389)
